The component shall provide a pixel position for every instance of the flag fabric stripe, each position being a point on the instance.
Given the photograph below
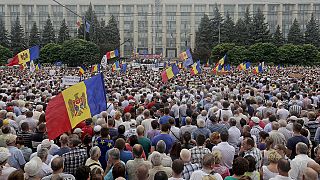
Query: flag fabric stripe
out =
(169, 73)
(164, 76)
(175, 69)
(34, 52)
(112, 54)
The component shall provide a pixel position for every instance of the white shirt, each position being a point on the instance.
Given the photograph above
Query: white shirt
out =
(234, 135)
(147, 125)
(175, 110)
(283, 113)
(175, 133)
(279, 177)
(227, 152)
(199, 174)
(298, 164)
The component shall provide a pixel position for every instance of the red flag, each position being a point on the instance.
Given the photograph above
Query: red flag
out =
(164, 76)
(14, 61)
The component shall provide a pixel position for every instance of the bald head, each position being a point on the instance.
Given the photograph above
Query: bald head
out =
(57, 164)
(142, 172)
(185, 155)
(137, 151)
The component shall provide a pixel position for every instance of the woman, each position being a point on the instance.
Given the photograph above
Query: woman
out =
(252, 172)
(175, 151)
(262, 138)
(117, 119)
(213, 141)
(271, 170)
(281, 149)
(187, 143)
(218, 168)
(240, 166)
(269, 145)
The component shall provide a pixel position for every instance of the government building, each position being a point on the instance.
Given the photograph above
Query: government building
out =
(165, 27)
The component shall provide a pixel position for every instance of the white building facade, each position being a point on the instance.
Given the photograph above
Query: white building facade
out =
(165, 27)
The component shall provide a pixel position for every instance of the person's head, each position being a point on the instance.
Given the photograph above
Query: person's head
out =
(240, 166)
(248, 144)
(161, 175)
(57, 164)
(114, 154)
(165, 127)
(252, 163)
(282, 123)
(121, 129)
(11, 140)
(161, 146)
(283, 166)
(146, 114)
(74, 142)
(186, 137)
(140, 130)
(137, 151)
(215, 138)
(154, 124)
(188, 120)
(6, 129)
(95, 153)
(29, 114)
(301, 148)
(275, 125)
(224, 136)
(200, 140)
(166, 110)
(82, 173)
(142, 172)
(232, 122)
(273, 156)
(304, 132)
(185, 155)
(200, 123)
(217, 156)
(263, 136)
(118, 170)
(16, 175)
(176, 149)
(32, 168)
(43, 154)
(156, 158)
(309, 174)
(297, 128)
(208, 161)
(225, 104)
(120, 144)
(25, 126)
(177, 167)
(64, 140)
(110, 123)
(281, 149)
(104, 132)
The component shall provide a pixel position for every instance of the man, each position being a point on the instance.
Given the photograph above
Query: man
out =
(227, 151)
(145, 142)
(283, 129)
(32, 122)
(39, 135)
(177, 169)
(201, 130)
(248, 148)
(188, 127)
(137, 162)
(113, 158)
(75, 158)
(268, 127)
(199, 151)
(16, 160)
(225, 111)
(207, 170)
(175, 110)
(57, 168)
(166, 160)
(275, 135)
(128, 121)
(283, 169)
(163, 136)
(124, 155)
(113, 132)
(300, 162)
(189, 168)
(174, 131)
(282, 113)
(142, 172)
(214, 126)
(256, 129)
(45, 169)
(165, 118)
(146, 123)
(292, 142)
(234, 135)
(38, 112)
(157, 166)
(5, 169)
(25, 134)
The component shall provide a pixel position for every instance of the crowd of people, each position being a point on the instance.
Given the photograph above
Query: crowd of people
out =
(205, 127)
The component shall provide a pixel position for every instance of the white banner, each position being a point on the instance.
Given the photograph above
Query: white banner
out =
(70, 80)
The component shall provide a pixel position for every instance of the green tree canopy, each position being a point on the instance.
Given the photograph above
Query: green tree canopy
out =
(203, 43)
(17, 37)
(48, 35)
(5, 54)
(4, 40)
(260, 31)
(260, 52)
(277, 37)
(238, 54)
(295, 35)
(228, 30)
(312, 34)
(51, 53)
(34, 38)
(63, 32)
(291, 54)
(220, 50)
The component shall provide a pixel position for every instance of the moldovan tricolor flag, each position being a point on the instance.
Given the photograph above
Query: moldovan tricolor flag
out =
(75, 104)
(112, 54)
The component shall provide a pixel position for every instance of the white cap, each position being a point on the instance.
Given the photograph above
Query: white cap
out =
(255, 119)
(97, 128)
(77, 130)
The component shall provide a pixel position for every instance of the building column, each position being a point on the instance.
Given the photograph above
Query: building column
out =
(22, 18)
(164, 31)
(135, 28)
(178, 30)
(207, 10)
(280, 15)
(150, 30)
(121, 24)
(236, 13)
(265, 12)
(295, 13)
(50, 12)
(193, 29)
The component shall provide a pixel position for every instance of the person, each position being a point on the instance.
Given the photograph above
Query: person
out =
(165, 118)
(138, 161)
(248, 148)
(252, 171)
(189, 168)
(45, 169)
(275, 135)
(113, 158)
(175, 150)
(174, 131)
(128, 121)
(124, 155)
(214, 125)
(256, 129)
(82, 173)
(188, 127)
(262, 140)
(300, 162)
(199, 151)
(39, 135)
(118, 170)
(177, 168)
(25, 150)
(225, 111)
(75, 158)
(5, 168)
(161, 175)
(142, 172)
(240, 166)
(227, 151)
(121, 131)
(16, 160)
(57, 167)
(310, 174)
(3, 137)
(187, 142)
(145, 142)
(113, 132)
(201, 130)
(163, 136)
(234, 135)
(154, 131)
(104, 143)
(166, 160)
(271, 170)
(64, 148)
(293, 141)
(32, 169)
(283, 169)
(93, 161)
(146, 123)
(207, 169)
(25, 134)
(32, 122)
(157, 166)
(16, 175)
(218, 168)
(213, 140)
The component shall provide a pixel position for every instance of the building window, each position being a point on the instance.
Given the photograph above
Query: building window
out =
(256, 7)
(29, 17)
(43, 15)
(83, 9)
(57, 16)
(229, 9)
(272, 15)
(14, 13)
(316, 12)
(287, 19)
(303, 15)
(114, 10)
(100, 11)
(72, 19)
(242, 10)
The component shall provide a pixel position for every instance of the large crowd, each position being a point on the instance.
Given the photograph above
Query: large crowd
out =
(204, 127)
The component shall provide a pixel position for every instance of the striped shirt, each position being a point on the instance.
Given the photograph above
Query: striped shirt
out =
(188, 169)
(26, 137)
(295, 109)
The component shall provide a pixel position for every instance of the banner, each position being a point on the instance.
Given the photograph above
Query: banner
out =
(70, 80)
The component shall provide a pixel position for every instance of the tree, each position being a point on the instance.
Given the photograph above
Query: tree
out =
(312, 34)
(216, 22)
(260, 31)
(78, 51)
(203, 43)
(4, 40)
(50, 53)
(17, 37)
(34, 38)
(241, 36)
(247, 33)
(220, 50)
(290, 54)
(238, 54)
(92, 26)
(5, 55)
(260, 52)
(112, 34)
(228, 30)
(310, 54)
(63, 32)
(48, 35)
(277, 37)
(295, 35)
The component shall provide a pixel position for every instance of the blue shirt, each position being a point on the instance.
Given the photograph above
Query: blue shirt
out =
(16, 159)
(165, 119)
(109, 175)
(124, 156)
(166, 138)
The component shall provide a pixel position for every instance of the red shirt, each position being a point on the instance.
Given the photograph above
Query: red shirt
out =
(87, 130)
(261, 124)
